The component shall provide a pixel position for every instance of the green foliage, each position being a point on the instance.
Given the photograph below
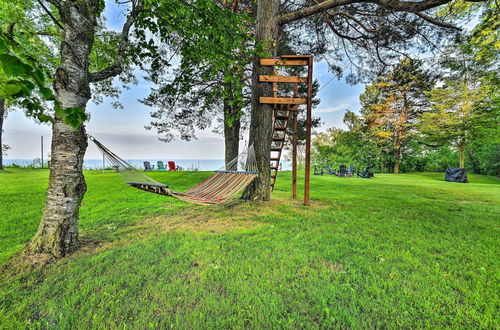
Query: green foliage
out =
(21, 79)
(214, 46)
(459, 117)
(26, 65)
(407, 251)
(466, 106)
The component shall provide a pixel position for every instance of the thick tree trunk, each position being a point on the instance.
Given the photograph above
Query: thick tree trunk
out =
(232, 127)
(57, 233)
(266, 34)
(2, 114)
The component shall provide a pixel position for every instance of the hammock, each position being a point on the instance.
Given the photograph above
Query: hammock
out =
(219, 188)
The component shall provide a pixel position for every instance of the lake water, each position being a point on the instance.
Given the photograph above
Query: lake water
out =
(186, 164)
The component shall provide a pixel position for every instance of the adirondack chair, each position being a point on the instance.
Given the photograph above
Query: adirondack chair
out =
(366, 174)
(350, 171)
(329, 170)
(318, 171)
(160, 166)
(342, 171)
(172, 167)
(148, 167)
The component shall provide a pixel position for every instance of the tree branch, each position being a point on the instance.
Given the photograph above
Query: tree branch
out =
(116, 68)
(396, 5)
(349, 16)
(56, 3)
(437, 22)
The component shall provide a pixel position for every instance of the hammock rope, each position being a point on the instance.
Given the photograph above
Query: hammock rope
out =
(219, 188)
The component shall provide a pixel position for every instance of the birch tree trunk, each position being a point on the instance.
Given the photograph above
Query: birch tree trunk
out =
(266, 34)
(57, 233)
(2, 114)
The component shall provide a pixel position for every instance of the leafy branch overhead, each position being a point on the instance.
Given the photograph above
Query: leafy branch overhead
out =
(23, 79)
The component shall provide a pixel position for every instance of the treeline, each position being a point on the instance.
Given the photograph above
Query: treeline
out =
(424, 116)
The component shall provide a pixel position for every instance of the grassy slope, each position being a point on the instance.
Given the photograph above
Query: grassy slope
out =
(411, 251)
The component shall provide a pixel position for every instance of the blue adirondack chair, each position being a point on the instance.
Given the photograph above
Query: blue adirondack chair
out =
(160, 166)
(329, 170)
(350, 171)
(148, 167)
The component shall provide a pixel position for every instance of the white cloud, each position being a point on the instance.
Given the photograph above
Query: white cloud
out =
(335, 108)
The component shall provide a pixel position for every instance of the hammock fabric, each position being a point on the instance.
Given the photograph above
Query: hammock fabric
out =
(219, 188)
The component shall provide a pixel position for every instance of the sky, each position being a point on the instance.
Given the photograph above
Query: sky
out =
(122, 130)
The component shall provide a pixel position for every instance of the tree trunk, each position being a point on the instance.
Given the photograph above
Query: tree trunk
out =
(232, 125)
(266, 34)
(397, 166)
(461, 150)
(2, 114)
(57, 233)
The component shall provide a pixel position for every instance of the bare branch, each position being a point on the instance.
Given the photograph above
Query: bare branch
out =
(396, 5)
(351, 17)
(437, 22)
(116, 68)
(55, 3)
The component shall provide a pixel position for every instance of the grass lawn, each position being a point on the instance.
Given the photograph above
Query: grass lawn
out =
(394, 251)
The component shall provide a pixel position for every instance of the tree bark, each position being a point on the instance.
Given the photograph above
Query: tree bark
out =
(397, 164)
(266, 34)
(232, 127)
(461, 150)
(2, 114)
(57, 233)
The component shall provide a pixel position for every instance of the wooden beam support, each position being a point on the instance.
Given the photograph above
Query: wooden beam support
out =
(282, 100)
(284, 79)
(307, 167)
(275, 61)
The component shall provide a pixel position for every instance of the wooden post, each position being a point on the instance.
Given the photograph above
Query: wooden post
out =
(295, 141)
(308, 132)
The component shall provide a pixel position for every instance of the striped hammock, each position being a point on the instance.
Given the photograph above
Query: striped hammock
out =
(221, 187)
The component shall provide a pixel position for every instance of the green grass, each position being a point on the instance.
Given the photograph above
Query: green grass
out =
(394, 251)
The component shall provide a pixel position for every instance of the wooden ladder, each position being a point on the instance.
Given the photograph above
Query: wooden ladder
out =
(280, 124)
(283, 107)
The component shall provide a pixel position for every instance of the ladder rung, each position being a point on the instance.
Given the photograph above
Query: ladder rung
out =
(282, 100)
(276, 149)
(277, 128)
(275, 159)
(282, 117)
(274, 168)
(278, 139)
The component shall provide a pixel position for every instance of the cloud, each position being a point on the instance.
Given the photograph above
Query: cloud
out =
(335, 108)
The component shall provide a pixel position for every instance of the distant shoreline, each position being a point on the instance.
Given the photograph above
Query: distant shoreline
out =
(96, 164)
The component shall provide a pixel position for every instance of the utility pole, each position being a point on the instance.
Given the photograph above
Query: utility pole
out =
(41, 140)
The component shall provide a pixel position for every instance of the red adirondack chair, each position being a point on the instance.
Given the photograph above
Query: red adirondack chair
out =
(172, 167)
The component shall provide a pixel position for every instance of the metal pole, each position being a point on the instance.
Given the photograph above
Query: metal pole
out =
(295, 141)
(308, 132)
(41, 140)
